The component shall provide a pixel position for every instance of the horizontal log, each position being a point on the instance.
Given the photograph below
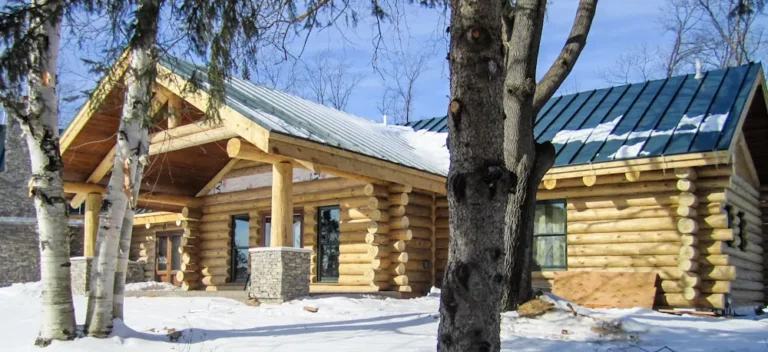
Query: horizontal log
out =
(665, 273)
(399, 222)
(351, 237)
(398, 199)
(606, 190)
(354, 280)
(729, 197)
(354, 269)
(417, 265)
(191, 213)
(186, 267)
(217, 244)
(419, 254)
(376, 275)
(717, 234)
(378, 251)
(442, 223)
(684, 185)
(623, 213)
(335, 187)
(214, 253)
(623, 249)
(623, 261)
(420, 199)
(354, 258)
(323, 288)
(354, 247)
(396, 188)
(190, 285)
(714, 301)
(720, 247)
(399, 257)
(410, 209)
(361, 214)
(419, 243)
(624, 237)
(405, 235)
(159, 198)
(728, 273)
(187, 276)
(647, 224)
(743, 295)
(374, 238)
(214, 280)
(215, 226)
(687, 173)
(380, 263)
(400, 280)
(396, 246)
(633, 200)
(397, 269)
(725, 260)
(418, 276)
(719, 221)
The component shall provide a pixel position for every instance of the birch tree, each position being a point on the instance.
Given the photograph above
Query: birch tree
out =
(478, 182)
(32, 51)
(523, 97)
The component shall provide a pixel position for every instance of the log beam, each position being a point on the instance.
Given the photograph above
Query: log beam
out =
(91, 223)
(160, 198)
(282, 204)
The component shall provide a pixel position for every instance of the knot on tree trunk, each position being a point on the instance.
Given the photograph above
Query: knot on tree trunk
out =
(478, 38)
(489, 181)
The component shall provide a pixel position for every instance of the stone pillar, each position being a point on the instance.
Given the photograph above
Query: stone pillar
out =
(282, 205)
(80, 273)
(279, 274)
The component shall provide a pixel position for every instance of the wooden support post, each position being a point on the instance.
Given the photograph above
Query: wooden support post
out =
(174, 111)
(91, 223)
(282, 204)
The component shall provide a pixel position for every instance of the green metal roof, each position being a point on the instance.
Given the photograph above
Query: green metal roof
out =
(678, 115)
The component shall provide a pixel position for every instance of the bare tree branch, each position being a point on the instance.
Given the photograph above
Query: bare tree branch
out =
(563, 65)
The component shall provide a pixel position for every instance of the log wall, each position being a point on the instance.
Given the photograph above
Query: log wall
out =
(699, 228)
(144, 240)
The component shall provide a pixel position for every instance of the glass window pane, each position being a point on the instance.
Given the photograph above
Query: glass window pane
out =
(241, 232)
(549, 218)
(297, 220)
(176, 253)
(328, 243)
(267, 231)
(549, 252)
(241, 269)
(162, 253)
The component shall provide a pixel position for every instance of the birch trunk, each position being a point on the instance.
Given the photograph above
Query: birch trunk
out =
(529, 160)
(46, 187)
(132, 150)
(478, 183)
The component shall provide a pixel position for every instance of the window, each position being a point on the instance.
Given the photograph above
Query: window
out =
(240, 245)
(168, 259)
(298, 220)
(328, 243)
(549, 236)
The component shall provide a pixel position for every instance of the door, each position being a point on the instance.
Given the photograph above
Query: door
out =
(168, 258)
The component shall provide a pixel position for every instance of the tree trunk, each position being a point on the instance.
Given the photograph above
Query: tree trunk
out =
(478, 183)
(523, 35)
(526, 158)
(131, 155)
(46, 186)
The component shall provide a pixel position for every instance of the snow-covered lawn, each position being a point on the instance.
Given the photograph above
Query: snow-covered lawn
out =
(367, 325)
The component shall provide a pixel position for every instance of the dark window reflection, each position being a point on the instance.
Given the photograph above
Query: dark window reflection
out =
(328, 243)
(240, 236)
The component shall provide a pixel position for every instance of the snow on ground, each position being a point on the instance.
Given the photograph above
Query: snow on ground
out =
(369, 324)
(151, 286)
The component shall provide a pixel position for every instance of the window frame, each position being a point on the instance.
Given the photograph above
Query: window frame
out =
(318, 273)
(268, 214)
(234, 248)
(536, 266)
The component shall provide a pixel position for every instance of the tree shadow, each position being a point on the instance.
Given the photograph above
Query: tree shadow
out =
(390, 323)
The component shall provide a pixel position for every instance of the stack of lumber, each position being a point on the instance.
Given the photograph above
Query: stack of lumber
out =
(143, 249)
(417, 210)
(189, 273)
(363, 251)
(731, 240)
(310, 240)
(214, 256)
(441, 238)
(629, 222)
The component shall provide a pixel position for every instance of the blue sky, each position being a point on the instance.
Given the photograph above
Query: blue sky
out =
(619, 26)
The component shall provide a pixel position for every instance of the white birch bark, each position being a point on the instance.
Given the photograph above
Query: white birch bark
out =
(132, 149)
(46, 187)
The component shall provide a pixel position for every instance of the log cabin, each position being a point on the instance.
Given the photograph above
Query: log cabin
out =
(660, 176)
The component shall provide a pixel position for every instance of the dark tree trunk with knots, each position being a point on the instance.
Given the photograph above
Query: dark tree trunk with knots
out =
(478, 182)
(523, 97)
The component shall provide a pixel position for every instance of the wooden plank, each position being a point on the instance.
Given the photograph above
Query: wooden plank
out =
(607, 289)
(354, 163)
(212, 183)
(103, 89)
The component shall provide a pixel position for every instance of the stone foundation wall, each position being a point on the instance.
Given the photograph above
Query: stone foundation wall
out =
(279, 274)
(81, 274)
(20, 254)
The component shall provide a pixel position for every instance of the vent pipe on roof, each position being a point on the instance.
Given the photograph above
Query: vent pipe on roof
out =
(384, 119)
(699, 73)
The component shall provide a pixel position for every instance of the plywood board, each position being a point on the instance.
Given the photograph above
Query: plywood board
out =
(597, 289)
